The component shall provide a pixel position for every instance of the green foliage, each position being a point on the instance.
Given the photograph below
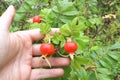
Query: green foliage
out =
(25, 8)
(98, 54)
(45, 28)
(107, 61)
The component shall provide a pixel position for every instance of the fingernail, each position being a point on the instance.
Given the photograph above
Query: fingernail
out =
(11, 6)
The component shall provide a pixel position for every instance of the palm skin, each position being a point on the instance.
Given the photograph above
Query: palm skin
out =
(17, 53)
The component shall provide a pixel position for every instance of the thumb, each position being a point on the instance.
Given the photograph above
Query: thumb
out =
(6, 18)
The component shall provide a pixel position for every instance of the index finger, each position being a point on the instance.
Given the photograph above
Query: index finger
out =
(36, 35)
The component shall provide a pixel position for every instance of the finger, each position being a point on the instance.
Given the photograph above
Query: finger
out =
(45, 73)
(35, 34)
(36, 49)
(6, 18)
(36, 62)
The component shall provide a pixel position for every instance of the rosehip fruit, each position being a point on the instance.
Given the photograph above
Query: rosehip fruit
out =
(47, 49)
(37, 19)
(70, 47)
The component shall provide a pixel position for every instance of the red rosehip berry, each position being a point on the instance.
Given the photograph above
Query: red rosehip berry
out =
(70, 47)
(37, 19)
(47, 49)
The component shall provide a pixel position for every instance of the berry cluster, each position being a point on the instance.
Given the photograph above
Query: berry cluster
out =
(48, 49)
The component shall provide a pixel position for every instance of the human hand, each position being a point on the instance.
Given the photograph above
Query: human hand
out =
(17, 53)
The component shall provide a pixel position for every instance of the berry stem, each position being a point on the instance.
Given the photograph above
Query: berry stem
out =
(47, 38)
(49, 41)
(44, 57)
(69, 39)
(63, 55)
(48, 62)
(71, 56)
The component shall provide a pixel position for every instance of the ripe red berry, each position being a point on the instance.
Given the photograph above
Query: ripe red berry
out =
(47, 49)
(37, 19)
(70, 47)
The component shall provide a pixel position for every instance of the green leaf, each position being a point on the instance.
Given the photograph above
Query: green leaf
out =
(91, 75)
(45, 12)
(70, 13)
(65, 31)
(34, 25)
(81, 60)
(104, 64)
(81, 43)
(94, 47)
(19, 16)
(103, 77)
(107, 60)
(85, 39)
(114, 55)
(82, 19)
(58, 4)
(75, 28)
(104, 71)
(95, 20)
(67, 70)
(62, 43)
(45, 28)
(56, 38)
(75, 64)
(65, 8)
(61, 37)
(75, 21)
(23, 9)
(75, 34)
(55, 9)
(66, 19)
(69, 9)
(14, 29)
(83, 74)
(31, 2)
(115, 46)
